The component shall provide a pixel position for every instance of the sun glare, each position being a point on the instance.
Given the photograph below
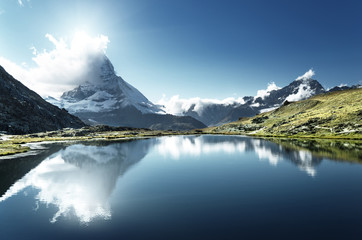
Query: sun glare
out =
(81, 40)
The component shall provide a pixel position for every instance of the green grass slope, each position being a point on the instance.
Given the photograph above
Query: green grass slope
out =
(330, 115)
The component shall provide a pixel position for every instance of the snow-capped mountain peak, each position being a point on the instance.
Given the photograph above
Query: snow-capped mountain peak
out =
(302, 91)
(104, 93)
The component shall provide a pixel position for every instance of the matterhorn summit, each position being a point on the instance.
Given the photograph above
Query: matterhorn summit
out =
(105, 98)
(106, 92)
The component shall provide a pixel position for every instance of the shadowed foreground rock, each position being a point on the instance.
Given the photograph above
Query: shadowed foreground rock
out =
(24, 111)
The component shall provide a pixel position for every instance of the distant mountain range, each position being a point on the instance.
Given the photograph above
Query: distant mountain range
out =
(24, 111)
(112, 101)
(217, 114)
(332, 114)
(108, 99)
(214, 114)
(344, 87)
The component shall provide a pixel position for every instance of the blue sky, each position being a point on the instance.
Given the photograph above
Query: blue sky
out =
(208, 49)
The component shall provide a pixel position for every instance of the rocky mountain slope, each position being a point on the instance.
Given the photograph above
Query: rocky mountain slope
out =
(24, 111)
(297, 90)
(108, 99)
(337, 113)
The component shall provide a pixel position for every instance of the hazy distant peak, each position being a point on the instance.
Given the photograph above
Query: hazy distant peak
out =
(104, 91)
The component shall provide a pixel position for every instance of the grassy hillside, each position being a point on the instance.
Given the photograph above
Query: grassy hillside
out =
(335, 114)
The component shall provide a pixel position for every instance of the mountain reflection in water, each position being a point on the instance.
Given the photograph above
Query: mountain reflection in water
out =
(80, 179)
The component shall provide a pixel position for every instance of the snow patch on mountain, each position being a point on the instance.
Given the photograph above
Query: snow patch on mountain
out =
(91, 104)
(268, 109)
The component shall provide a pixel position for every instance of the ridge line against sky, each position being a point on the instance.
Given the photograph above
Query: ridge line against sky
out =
(207, 49)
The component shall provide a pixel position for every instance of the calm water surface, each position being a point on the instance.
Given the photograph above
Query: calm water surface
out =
(182, 187)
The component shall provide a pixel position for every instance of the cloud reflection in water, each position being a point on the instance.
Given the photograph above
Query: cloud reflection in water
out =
(177, 146)
(80, 179)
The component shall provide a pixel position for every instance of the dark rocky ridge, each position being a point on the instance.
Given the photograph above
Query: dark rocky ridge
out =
(24, 111)
(277, 97)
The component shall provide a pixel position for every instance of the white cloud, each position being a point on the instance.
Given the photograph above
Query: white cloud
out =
(308, 75)
(34, 51)
(176, 105)
(264, 93)
(62, 68)
(1, 11)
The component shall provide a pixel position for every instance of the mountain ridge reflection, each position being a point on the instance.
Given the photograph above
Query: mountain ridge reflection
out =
(176, 146)
(79, 179)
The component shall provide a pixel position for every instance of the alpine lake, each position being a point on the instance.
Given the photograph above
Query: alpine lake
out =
(184, 187)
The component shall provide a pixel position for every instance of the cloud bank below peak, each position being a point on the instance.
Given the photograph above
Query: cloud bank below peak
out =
(266, 92)
(177, 106)
(61, 69)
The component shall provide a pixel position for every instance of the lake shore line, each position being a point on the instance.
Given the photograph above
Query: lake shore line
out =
(15, 144)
